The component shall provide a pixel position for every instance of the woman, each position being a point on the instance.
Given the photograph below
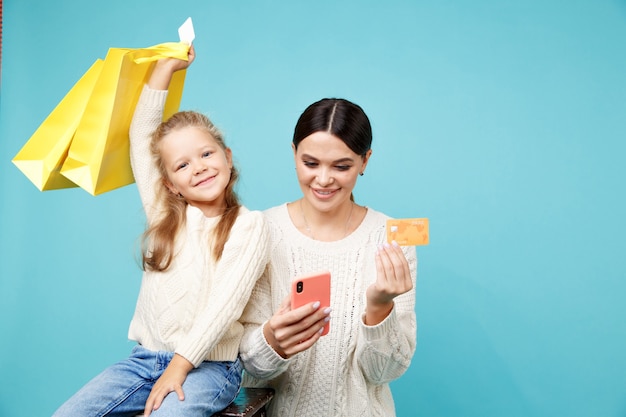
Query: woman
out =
(373, 327)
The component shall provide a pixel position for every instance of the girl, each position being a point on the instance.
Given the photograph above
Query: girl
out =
(373, 329)
(202, 255)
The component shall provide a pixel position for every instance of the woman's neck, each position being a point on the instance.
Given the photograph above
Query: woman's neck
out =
(326, 226)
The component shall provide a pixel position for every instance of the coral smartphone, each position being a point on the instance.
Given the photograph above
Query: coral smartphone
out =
(309, 288)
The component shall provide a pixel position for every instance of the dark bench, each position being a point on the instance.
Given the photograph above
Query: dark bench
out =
(250, 402)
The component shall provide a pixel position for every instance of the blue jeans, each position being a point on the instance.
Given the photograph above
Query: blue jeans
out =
(123, 389)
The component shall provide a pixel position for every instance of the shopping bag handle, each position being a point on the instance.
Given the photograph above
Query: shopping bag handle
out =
(178, 50)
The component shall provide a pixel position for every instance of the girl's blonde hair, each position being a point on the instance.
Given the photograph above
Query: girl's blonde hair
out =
(159, 238)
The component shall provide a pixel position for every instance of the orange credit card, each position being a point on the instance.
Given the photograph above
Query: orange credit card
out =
(408, 232)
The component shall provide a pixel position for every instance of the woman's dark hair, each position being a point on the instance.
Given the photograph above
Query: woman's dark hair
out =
(339, 117)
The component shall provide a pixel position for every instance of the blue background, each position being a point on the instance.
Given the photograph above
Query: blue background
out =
(501, 121)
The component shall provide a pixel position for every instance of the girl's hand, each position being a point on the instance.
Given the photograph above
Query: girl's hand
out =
(166, 67)
(292, 331)
(171, 380)
(393, 278)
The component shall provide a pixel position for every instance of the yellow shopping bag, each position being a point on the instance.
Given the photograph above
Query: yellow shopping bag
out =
(98, 159)
(40, 159)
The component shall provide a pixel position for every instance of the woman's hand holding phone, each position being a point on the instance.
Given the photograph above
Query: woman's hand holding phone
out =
(298, 323)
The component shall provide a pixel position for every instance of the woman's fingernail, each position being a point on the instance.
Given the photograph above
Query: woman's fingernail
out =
(394, 243)
(327, 319)
(316, 305)
(327, 310)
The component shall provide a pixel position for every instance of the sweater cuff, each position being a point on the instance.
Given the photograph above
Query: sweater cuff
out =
(152, 98)
(262, 361)
(269, 355)
(382, 329)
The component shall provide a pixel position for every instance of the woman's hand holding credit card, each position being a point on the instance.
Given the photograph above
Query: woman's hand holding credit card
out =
(408, 232)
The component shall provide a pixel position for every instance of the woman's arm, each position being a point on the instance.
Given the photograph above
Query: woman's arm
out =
(260, 360)
(385, 346)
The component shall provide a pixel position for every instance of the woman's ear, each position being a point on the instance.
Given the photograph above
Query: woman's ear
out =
(366, 159)
(295, 151)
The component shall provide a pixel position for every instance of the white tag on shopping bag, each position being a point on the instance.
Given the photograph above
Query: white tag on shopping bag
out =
(186, 33)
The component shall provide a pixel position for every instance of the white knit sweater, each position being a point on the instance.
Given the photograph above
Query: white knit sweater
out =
(194, 306)
(347, 372)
